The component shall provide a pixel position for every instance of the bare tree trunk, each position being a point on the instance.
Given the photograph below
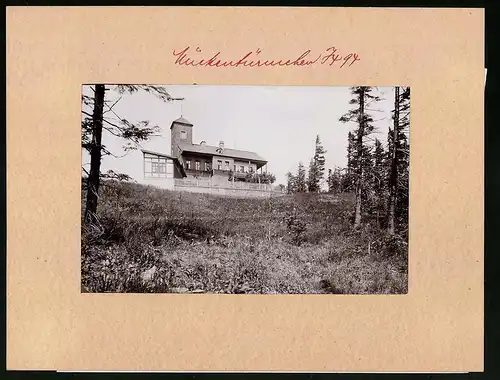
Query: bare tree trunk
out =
(95, 155)
(359, 148)
(393, 178)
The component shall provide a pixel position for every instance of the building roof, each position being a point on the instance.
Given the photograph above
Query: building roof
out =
(181, 120)
(158, 154)
(226, 152)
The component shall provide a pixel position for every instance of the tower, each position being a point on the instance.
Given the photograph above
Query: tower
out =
(181, 133)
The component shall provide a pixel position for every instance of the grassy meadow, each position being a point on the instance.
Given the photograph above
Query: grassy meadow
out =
(153, 240)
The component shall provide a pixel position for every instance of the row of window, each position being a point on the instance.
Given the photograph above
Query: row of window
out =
(197, 166)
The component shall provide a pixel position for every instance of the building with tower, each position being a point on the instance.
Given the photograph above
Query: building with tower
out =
(187, 160)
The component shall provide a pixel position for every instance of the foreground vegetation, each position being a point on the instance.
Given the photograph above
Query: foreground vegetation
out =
(150, 240)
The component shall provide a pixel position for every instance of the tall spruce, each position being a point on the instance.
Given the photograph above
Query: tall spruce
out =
(300, 179)
(361, 98)
(399, 160)
(349, 180)
(403, 162)
(330, 181)
(316, 168)
(291, 184)
(93, 125)
(379, 181)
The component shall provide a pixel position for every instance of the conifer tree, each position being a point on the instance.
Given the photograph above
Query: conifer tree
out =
(349, 182)
(316, 168)
(319, 161)
(300, 184)
(379, 180)
(399, 160)
(361, 98)
(335, 181)
(379, 168)
(368, 195)
(403, 160)
(291, 185)
(330, 181)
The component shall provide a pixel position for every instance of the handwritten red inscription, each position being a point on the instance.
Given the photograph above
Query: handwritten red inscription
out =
(330, 57)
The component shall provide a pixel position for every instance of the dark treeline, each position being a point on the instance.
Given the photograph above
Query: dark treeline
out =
(378, 176)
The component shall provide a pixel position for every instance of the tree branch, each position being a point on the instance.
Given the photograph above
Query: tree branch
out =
(110, 130)
(114, 125)
(114, 104)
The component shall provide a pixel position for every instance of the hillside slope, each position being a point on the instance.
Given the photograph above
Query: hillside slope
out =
(152, 240)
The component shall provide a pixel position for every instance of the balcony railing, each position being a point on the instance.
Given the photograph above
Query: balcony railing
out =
(199, 172)
(199, 182)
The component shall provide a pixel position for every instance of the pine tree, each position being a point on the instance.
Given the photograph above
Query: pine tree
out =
(335, 181)
(379, 180)
(403, 161)
(399, 160)
(361, 98)
(291, 185)
(319, 161)
(368, 195)
(378, 166)
(351, 153)
(330, 181)
(403, 185)
(316, 168)
(300, 184)
(349, 180)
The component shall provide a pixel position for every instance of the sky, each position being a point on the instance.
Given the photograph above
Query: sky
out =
(280, 123)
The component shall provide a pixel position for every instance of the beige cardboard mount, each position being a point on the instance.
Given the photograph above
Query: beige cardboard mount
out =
(436, 327)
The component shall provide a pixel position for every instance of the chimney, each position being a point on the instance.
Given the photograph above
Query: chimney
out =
(221, 144)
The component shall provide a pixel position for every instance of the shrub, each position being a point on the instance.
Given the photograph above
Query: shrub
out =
(296, 227)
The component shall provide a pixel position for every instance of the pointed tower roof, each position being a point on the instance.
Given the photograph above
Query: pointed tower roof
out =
(181, 120)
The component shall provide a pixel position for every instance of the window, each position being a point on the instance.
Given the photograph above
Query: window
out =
(242, 169)
(207, 166)
(219, 165)
(197, 165)
(183, 135)
(226, 166)
(157, 167)
(188, 164)
(234, 168)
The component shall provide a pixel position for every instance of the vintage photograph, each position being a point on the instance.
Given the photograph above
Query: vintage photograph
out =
(245, 189)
